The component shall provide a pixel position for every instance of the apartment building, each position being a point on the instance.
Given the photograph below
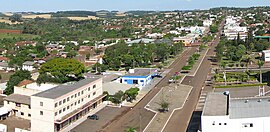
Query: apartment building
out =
(224, 114)
(56, 108)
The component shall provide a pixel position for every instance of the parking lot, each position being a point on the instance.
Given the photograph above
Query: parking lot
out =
(106, 115)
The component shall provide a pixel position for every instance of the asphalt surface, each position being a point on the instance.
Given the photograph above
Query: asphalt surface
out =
(139, 117)
(180, 119)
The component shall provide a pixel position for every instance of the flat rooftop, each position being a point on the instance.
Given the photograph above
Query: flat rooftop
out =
(215, 105)
(61, 90)
(249, 107)
(18, 98)
(41, 87)
(142, 72)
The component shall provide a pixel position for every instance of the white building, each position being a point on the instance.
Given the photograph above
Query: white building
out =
(207, 23)
(60, 107)
(224, 114)
(266, 55)
(28, 65)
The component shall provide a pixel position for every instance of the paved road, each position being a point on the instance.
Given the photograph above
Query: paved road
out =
(139, 117)
(180, 119)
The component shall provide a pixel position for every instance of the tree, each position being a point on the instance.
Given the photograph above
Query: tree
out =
(130, 129)
(117, 98)
(15, 79)
(260, 64)
(213, 28)
(62, 70)
(164, 106)
(131, 94)
(223, 65)
(15, 17)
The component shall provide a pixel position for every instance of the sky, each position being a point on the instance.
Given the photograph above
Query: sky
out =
(121, 5)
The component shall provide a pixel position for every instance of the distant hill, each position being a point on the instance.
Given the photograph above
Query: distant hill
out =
(73, 14)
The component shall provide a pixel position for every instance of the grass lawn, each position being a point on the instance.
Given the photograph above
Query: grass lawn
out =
(27, 36)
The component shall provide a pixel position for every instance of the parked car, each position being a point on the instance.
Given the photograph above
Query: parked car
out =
(93, 117)
(158, 76)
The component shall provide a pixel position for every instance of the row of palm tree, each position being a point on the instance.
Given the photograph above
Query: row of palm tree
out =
(248, 61)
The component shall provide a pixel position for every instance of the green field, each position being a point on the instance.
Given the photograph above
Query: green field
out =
(26, 36)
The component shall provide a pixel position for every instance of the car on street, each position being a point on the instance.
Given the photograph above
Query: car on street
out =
(93, 117)
(158, 76)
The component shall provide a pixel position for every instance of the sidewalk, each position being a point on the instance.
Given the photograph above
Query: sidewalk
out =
(146, 89)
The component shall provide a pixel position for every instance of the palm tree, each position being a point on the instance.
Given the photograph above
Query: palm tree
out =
(248, 60)
(260, 64)
(223, 65)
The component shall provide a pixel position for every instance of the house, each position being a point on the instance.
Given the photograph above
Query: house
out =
(224, 114)
(60, 107)
(4, 59)
(266, 55)
(19, 101)
(4, 67)
(20, 105)
(28, 65)
(138, 76)
(186, 40)
(25, 43)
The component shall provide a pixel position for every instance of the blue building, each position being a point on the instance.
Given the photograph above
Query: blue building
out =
(139, 76)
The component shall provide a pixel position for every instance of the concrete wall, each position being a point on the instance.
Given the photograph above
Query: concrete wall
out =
(42, 122)
(217, 124)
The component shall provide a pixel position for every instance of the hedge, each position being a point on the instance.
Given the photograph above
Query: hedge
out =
(241, 85)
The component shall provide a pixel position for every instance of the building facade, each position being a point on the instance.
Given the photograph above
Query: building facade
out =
(224, 114)
(55, 109)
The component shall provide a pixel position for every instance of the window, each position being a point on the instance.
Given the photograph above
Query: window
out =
(67, 99)
(219, 123)
(29, 106)
(89, 89)
(251, 125)
(29, 115)
(67, 107)
(60, 102)
(94, 93)
(94, 86)
(82, 100)
(72, 96)
(225, 123)
(41, 112)
(141, 80)
(135, 81)
(55, 105)
(7, 102)
(64, 101)
(71, 105)
(79, 101)
(60, 111)
(79, 94)
(18, 104)
(82, 92)
(55, 114)
(64, 109)
(89, 96)
(22, 113)
(41, 103)
(75, 103)
(75, 95)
